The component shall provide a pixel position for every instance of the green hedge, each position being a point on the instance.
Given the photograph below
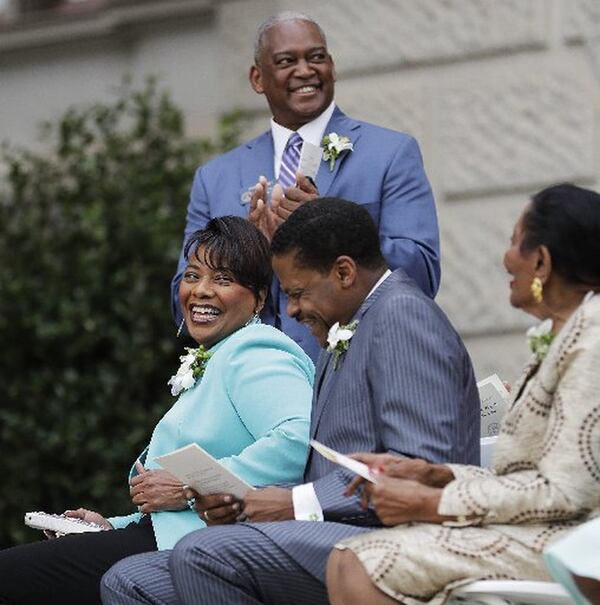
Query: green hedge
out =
(89, 239)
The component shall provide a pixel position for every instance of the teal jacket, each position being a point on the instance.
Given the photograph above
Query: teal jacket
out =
(250, 410)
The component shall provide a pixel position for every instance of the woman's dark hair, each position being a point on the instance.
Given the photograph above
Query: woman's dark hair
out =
(326, 228)
(566, 219)
(233, 244)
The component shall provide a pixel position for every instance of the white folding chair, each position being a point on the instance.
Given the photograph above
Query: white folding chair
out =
(507, 592)
(486, 449)
(511, 592)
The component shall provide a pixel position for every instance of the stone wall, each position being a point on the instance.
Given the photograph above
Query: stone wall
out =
(503, 96)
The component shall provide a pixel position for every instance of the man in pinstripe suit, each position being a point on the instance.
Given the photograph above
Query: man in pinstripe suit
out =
(404, 385)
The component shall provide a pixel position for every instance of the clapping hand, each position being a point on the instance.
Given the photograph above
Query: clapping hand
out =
(261, 215)
(268, 217)
(285, 203)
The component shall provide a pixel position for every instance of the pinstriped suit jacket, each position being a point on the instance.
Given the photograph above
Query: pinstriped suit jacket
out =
(405, 386)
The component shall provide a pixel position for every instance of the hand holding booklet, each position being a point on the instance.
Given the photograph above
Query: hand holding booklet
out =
(354, 465)
(195, 467)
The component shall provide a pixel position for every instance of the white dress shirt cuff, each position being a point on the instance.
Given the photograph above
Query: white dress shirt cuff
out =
(306, 503)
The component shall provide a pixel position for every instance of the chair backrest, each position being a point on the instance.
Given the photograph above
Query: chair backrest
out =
(487, 445)
(513, 592)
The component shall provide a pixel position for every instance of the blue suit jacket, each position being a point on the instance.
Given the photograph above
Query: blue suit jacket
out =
(406, 386)
(250, 410)
(384, 174)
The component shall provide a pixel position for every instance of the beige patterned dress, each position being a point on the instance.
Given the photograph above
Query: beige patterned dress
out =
(545, 480)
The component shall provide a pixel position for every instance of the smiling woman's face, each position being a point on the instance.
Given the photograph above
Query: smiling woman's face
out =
(214, 304)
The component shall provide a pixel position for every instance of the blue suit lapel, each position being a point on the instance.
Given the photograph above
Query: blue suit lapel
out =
(341, 124)
(256, 161)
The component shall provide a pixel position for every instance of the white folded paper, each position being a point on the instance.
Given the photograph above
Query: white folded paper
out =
(197, 468)
(354, 465)
(494, 403)
(310, 160)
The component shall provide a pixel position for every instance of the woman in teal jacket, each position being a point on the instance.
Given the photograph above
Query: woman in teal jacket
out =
(244, 396)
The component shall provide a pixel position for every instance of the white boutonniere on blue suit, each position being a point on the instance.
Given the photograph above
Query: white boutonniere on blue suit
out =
(192, 367)
(333, 146)
(338, 340)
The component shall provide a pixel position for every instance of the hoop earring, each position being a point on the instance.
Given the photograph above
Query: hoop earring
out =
(537, 290)
(253, 318)
(180, 328)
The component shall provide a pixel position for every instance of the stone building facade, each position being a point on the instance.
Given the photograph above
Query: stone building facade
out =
(503, 96)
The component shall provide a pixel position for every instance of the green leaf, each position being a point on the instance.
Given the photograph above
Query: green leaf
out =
(91, 231)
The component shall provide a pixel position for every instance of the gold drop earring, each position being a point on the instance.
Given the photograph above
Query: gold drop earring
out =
(537, 290)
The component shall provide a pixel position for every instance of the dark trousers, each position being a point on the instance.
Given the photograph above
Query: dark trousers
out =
(68, 570)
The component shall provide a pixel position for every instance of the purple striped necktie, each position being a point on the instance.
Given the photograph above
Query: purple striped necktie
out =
(290, 160)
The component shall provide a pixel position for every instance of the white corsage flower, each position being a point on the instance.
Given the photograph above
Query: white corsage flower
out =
(192, 367)
(539, 338)
(333, 146)
(338, 340)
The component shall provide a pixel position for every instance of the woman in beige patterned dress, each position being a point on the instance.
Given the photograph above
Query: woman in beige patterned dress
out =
(454, 524)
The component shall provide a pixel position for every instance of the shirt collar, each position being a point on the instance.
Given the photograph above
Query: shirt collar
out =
(312, 132)
(379, 282)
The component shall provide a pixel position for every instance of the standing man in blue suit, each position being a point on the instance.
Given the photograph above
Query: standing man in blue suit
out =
(402, 383)
(383, 172)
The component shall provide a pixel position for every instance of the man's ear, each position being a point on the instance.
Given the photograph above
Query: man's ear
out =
(255, 77)
(543, 263)
(344, 269)
(333, 72)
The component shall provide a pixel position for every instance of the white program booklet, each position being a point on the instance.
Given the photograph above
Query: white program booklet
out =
(354, 465)
(197, 468)
(494, 403)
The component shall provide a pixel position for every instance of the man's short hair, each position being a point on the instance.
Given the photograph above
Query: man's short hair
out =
(320, 231)
(282, 17)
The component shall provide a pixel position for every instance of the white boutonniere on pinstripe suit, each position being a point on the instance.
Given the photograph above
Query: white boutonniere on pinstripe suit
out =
(333, 146)
(338, 340)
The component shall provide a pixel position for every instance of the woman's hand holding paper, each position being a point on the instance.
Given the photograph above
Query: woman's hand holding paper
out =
(154, 490)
